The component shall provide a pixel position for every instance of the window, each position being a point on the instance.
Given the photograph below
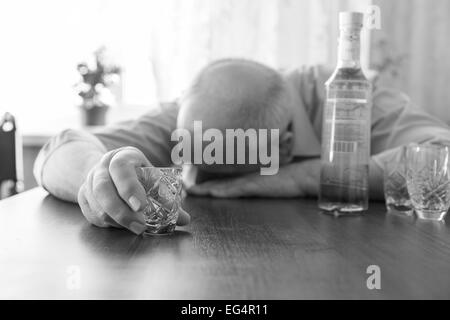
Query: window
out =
(160, 44)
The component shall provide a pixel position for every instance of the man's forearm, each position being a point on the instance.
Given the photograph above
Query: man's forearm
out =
(64, 162)
(308, 173)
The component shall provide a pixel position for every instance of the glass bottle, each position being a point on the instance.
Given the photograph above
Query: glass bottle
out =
(344, 174)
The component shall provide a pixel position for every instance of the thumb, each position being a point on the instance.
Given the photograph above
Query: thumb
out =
(199, 189)
(183, 217)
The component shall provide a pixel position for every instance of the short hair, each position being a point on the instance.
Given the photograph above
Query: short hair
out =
(269, 110)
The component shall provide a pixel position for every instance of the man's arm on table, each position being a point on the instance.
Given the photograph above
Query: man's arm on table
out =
(403, 124)
(298, 179)
(395, 123)
(98, 170)
(63, 163)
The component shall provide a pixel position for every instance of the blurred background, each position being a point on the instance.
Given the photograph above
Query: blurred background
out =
(63, 61)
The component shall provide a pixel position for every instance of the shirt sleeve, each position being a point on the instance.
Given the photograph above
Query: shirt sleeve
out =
(151, 133)
(50, 148)
(397, 122)
(309, 81)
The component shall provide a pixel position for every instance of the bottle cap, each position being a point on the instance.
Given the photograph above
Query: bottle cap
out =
(351, 19)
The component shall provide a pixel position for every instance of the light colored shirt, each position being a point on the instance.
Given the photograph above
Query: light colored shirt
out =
(395, 121)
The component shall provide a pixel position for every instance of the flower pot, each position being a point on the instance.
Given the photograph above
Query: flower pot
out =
(94, 116)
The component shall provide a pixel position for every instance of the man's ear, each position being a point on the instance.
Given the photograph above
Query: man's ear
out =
(286, 145)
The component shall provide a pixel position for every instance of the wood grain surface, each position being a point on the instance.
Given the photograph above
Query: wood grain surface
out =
(233, 249)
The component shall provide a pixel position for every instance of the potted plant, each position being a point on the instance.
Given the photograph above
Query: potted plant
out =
(96, 79)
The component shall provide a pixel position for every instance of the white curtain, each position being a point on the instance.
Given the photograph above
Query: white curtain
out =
(413, 49)
(187, 34)
(160, 44)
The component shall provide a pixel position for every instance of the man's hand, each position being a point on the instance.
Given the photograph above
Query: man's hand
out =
(112, 196)
(298, 179)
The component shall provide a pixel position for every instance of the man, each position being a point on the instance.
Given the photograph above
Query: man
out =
(98, 170)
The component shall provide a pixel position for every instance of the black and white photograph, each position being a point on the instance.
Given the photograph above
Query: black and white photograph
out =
(223, 156)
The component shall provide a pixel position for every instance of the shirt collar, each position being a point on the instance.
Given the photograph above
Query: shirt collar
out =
(306, 143)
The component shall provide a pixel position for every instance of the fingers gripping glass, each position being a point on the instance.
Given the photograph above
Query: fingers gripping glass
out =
(163, 189)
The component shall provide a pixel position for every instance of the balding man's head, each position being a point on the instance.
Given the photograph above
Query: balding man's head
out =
(237, 94)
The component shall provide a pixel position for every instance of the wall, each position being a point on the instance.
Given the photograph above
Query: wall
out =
(29, 155)
(415, 38)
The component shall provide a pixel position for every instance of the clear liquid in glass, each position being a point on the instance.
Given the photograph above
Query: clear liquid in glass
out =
(163, 189)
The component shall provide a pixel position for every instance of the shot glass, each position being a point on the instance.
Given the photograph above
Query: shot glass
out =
(428, 180)
(163, 189)
(395, 187)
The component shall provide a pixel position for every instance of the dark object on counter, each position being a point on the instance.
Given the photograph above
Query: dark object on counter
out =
(94, 116)
(11, 165)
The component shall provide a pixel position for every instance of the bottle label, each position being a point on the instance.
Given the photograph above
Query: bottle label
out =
(349, 46)
(345, 140)
(346, 124)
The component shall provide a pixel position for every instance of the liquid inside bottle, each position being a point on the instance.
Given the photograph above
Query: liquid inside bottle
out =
(344, 185)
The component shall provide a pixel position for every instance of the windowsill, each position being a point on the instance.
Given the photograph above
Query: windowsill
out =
(36, 133)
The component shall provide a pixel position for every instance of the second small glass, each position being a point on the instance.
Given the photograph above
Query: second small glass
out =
(395, 187)
(163, 189)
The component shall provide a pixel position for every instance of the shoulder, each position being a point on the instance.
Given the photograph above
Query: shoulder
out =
(164, 113)
(388, 101)
(308, 75)
(309, 83)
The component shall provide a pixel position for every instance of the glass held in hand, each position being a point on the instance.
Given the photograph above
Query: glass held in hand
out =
(395, 189)
(428, 180)
(163, 188)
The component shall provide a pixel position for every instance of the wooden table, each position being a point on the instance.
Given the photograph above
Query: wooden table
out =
(233, 249)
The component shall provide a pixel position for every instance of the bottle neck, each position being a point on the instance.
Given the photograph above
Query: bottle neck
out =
(349, 48)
